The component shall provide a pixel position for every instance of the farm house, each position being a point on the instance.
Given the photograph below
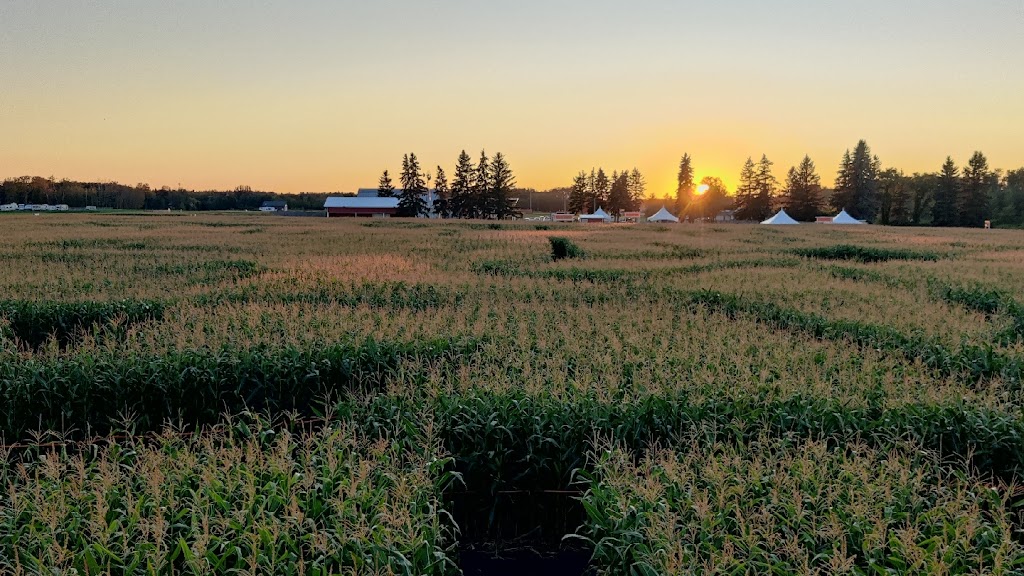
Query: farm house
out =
(274, 206)
(360, 207)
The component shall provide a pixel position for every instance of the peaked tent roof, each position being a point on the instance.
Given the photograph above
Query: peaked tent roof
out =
(780, 218)
(663, 215)
(599, 214)
(844, 218)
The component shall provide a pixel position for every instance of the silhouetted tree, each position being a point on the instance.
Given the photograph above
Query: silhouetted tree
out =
(803, 191)
(500, 185)
(857, 183)
(746, 205)
(685, 187)
(462, 187)
(385, 188)
(411, 203)
(442, 201)
(947, 191)
(974, 191)
(578, 193)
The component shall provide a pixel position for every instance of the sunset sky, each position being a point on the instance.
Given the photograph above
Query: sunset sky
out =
(324, 95)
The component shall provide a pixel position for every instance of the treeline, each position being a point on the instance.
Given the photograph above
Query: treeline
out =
(953, 196)
(624, 191)
(36, 190)
(478, 190)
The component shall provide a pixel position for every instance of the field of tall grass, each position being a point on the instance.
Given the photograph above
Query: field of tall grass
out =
(252, 394)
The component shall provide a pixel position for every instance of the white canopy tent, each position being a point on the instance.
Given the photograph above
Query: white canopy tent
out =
(598, 215)
(663, 215)
(844, 218)
(780, 218)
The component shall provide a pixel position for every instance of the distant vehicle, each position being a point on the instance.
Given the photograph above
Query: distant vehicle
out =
(8, 207)
(90, 208)
(62, 207)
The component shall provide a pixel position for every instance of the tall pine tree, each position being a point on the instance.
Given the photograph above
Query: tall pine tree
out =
(685, 187)
(578, 193)
(746, 208)
(974, 191)
(501, 182)
(481, 185)
(803, 191)
(618, 196)
(947, 191)
(637, 189)
(765, 186)
(442, 199)
(410, 202)
(857, 183)
(463, 184)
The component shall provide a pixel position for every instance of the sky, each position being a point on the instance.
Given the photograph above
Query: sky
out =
(322, 95)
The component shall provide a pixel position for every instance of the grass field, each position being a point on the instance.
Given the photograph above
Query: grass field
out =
(214, 393)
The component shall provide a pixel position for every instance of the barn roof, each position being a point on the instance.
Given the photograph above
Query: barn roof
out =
(360, 202)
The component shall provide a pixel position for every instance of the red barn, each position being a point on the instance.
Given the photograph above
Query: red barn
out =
(356, 206)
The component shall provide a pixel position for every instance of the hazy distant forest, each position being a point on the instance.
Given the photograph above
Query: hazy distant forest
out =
(954, 195)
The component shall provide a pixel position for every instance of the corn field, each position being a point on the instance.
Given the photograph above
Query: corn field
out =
(251, 394)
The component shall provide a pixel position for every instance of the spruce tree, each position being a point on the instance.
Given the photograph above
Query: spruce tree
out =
(500, 185)
(856, 189)
(845, 188)
(578, 193)
(765, 186)
(462, 187)
(481, 186)
(803, 191)
(618, 196)
(385, 188)
(947, 190)
(637, 189)
(601, 188)
(745, 191)
(684, 187)
(442, 200)
(974, 190)
(411, 203)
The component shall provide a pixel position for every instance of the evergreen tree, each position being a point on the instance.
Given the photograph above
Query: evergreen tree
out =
(745, 204)
(411, 203)
(803, 191)
(637, 189)
(442, 200)
(462, 187)
(765, 186)
(974, 192)
(385, 188)
(618, 197)
(501, 182)
(857, 183)
(843, 195)
(947, 191)
(685, 187)
(480, 202)
(600, 193)
(578, 193)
